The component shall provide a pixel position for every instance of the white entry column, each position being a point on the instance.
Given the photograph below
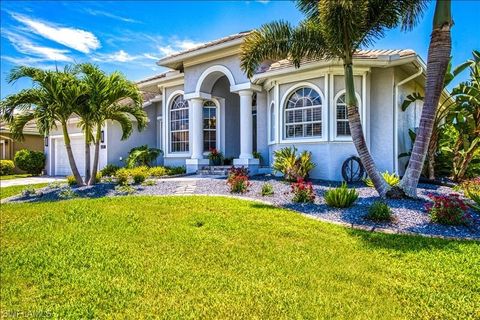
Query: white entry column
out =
(246, 133)
(196, 160)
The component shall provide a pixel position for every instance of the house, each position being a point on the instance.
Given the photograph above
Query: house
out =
(206, 101)
(9, 146)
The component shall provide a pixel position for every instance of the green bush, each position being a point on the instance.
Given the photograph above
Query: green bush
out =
(157, 172)
(109, 170)
(71, 181)
(67, 193)
(6, 167)
(267, 189)
(28, 191)
(139, 174)
(391, 178)
(147, 183)
(291, 165)
(302, 191)
(142, 156)
(471, 189)
(123, 176)
(379, 211)
(31, 162)
(341, 197)
(172, 171)
(124, 190)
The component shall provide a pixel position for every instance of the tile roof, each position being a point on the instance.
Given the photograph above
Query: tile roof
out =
(155, 77)
(360, 54)
(30, 127)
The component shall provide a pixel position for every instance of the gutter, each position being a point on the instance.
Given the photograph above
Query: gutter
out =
(421, 69)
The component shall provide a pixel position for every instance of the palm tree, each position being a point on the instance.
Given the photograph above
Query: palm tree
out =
(111, 97)
(52, 100)
(333, 30)
(437, 63)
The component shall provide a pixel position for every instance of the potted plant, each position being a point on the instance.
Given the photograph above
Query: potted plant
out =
(215, 157)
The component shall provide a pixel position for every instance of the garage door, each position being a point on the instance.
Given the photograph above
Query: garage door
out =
(62, 166)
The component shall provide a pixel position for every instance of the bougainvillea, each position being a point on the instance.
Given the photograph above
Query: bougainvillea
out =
(448, 209)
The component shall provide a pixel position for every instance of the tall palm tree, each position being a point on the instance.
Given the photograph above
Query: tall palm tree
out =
(111, 97)
(438, 58)
(333, 30)
(52, 100)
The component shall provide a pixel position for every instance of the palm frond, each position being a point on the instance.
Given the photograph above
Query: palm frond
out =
(19, 122)
(125, 123)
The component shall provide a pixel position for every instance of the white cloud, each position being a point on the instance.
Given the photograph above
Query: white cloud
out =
(150, 56)
(176, 46)
(119, 56)
(77, 39)
(110, 15)
(41, 53)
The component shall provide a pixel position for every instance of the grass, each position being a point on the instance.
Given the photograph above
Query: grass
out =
(15, 176)
(13, 190)
(211, 257)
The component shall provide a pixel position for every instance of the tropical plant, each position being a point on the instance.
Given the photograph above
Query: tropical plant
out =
(448, 209)
(291, 165)
(71, 181)
(471, 189)
(124, 189)
(215, 156)
(52, 100)
(111, 97)
(267, 189)
(6, 167)
(142, 156)
(333, 29)
(173, 171)
(302, 191)
(444, 108)
(439, 51)
(32, 162)
(122, 176)
(158, 171)
(109, 170)
(341, 197)
(67, 193)
(379, 211)
(139, 174)
(258, 155)
(28, 191)
(238, 180)
(391, 178)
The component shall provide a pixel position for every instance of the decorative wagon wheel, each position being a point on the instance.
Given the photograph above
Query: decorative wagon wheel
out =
(352, 169)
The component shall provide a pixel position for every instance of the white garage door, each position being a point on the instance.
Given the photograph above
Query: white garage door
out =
(62, 166)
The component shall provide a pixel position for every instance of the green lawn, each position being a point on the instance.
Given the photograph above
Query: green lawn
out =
(15, 176)
(205, 257)
(13, 190)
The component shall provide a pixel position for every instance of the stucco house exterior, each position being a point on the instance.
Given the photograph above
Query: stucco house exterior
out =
(206, 101)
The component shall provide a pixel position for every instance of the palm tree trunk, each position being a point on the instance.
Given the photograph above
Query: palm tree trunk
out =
(357, 132)
(438, 58)
(96, 155)
(71, 159)
(432, 149)
(87, 153)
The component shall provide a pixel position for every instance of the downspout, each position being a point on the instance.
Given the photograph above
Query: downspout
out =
(395, 117)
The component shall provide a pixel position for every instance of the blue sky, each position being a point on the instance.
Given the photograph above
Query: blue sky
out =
(130, 36)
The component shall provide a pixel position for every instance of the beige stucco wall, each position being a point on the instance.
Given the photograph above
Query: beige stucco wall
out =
(31, 142)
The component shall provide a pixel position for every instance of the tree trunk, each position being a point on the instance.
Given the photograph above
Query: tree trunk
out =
(71, 159)
(96, 155)
(432, 150)
(438, 58)
(357, 132)
(87, 153)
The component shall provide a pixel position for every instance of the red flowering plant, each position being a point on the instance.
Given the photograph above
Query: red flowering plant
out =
(215, 156)
(302, 191)
(238, 180)
(448, 209)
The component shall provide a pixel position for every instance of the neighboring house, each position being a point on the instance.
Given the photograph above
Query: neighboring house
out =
(207, 102)
(9, 146)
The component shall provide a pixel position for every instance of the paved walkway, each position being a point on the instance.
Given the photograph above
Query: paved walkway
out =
(29, 180)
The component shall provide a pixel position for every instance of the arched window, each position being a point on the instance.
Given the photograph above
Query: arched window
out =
(303, 114)
(343, 128)
(272, 121)
(179, 125)
(209, 126)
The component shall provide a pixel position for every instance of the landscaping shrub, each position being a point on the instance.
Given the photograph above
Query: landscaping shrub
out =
(31, 162)
(341, 197)
(55, 184)
(238, 180)
(67, 193)
(471, 189)
(215, 156)
(258, 155)
(98, 177)
(157, 172)
(71, 181)
(28, 191)
(291, 165)
(172, 171)
(147, 183)
(139, 174)
(124, 190)
(448, 209)
(391, 178)
(267, 189)
(302, 191)
(6, 167)
(142, 156)
(109, 170)
(379, 211)
(123, 176)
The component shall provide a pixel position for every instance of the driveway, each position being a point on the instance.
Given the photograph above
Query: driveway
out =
(29, 180)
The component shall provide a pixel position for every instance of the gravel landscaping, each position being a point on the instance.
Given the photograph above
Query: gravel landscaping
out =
(409, 215)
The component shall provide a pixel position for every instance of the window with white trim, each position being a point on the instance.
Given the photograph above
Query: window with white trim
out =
(209, 126)
(342, 125)
(179, 137)
(303, 114)
(272, 121)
